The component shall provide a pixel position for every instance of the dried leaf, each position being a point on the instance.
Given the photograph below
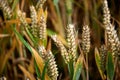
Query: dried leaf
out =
(39, 62)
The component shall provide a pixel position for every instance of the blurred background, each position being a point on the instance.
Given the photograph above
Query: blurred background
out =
(60, 13)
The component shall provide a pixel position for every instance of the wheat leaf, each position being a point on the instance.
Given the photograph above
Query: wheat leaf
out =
(110, 66)
(78, 68)
(98, 61)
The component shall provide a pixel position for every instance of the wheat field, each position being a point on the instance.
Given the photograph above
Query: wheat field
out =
(59, 40)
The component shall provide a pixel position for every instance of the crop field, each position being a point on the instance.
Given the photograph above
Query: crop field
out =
(59, 39)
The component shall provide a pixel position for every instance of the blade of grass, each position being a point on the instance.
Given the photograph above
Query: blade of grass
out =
(71, 69)
(44, 70)
(37, 57)
(110, 66)
(35, 41)
(78, 68)
(37, 70)
(98, 61)
(50, 33)
(21, 39)
(61, 29)
(56, 6)
(14, 4)
(39, 62)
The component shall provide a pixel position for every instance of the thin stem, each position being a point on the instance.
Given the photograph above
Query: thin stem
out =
(115, 65)
(83, 75)
(87, 70)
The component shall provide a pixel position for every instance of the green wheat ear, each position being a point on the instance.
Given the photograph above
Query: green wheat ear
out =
(6, 8)
(86, 39)
(113, 40)
(103, 57)
(52, 69)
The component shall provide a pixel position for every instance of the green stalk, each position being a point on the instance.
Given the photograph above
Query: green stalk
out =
(59, 17)
(87, 69)
(83, 75)
(69, 10)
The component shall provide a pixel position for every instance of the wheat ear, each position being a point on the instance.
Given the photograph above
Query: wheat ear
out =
(71, 41)
(103, 57)
(113, 39)
(40, 3)
(62, 48)
(34, 22)
(52, 69)
(86, 39)
(6, 8)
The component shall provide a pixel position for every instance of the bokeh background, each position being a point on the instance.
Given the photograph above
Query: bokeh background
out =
(82, 12)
